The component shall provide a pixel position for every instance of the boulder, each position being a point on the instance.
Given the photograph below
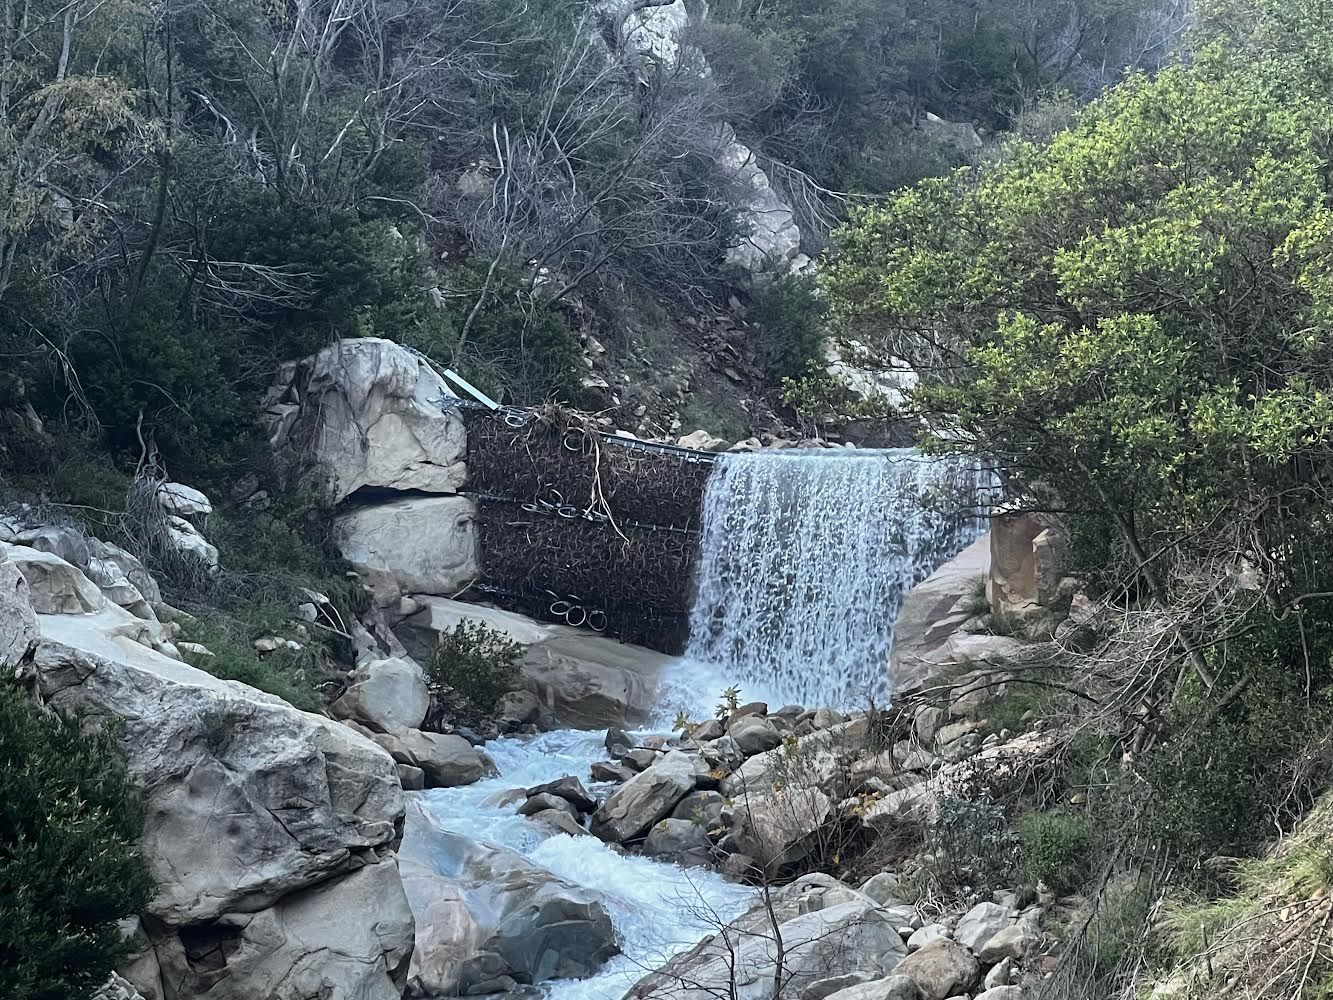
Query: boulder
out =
(188, 541)
(413, 779)
(1013, 942)
(385, 695)
(116, 587)
(18, 622)
(65, 543)
(571, 790)
(1026, 550)
(55, 587)
(883, 888)
(246, 799)
(754, 734)
(835, 940)
(367, 412)
(980, 924)
(702, 808)
(133, 569)
(709, 729)
(560, 821)
(680, 841)
(546, 802)
(447, 760)
(941, 970)
(184, 501)
(927, 620)
(928, 934)
(420, 545)
(605, 770)
(778, 828)
(483, 912)
(701, 440)
(890, 988)
(518, 708)
(643, 800)
(822, 988)
(345, 939)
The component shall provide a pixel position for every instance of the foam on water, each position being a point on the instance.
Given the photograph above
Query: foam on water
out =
(805, 558)
(657, 909)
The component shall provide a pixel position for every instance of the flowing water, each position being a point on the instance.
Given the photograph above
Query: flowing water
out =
(804, 561)
(805, 558)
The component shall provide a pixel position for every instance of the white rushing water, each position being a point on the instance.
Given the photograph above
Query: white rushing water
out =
(804, 560)
(657, 909)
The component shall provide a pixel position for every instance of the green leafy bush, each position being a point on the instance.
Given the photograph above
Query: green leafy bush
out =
(477, 662)
(969, 846)
(69, 865)
(790, 316)
(1056, 847)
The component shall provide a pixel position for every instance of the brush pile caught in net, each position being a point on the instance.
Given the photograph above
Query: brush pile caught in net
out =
(575, 530)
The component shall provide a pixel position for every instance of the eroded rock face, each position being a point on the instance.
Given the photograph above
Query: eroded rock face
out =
(1026, 551)
(246, 799)
(18, 623)
(367, 413)
(484, 912)
(421, 545)
(347, 939)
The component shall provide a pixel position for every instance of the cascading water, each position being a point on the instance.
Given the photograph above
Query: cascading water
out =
(804, 560)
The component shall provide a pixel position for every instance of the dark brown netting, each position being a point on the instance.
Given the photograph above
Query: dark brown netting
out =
(577, 529)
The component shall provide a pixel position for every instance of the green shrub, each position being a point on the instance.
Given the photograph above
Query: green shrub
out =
(284, 673)
(69, 864)
(969, 846)
(1057, 848)
(790, 318)
(477, 662)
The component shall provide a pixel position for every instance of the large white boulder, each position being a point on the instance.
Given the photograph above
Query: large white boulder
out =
(421, 545)
(55, 586)
(587, 681)
(386, 694)
(774, 239)
(484, 912)
(185, 501)
(246, 799)
(367, 413)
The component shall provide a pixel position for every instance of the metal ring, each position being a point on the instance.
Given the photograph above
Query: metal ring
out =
(561, 608)
(597, 621)
(582, 616)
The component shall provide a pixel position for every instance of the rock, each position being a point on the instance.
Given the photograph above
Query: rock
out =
(385, 695)
(64, 543)
(544, 802)
(778, 828)
(883, 888)
(679, 840)
(822, 988)
(115, 586)
(345, 939)
(1013, 942)
(413, 779)
(518, 708)
(954, 732)
(980, 924)
(367, 412)
(55, 587)
(754, 734)
(134, 570)
(586, 681)
(18, 622)
(924, 625)
(1026, 550)
(709, 729)
(960, 135)
(420, 545)
(704, 808)
(560, 821)
(928, 934)
(246, 799)
(702, 441)
(833, 941)
(975, 689)
(1002, 993)
(928, 720)
(891, 988)
(827, 718)
(617, 742)
(571, 790)
(604, 770)
(118, 988)
(188, 541)
(640, 758)
(941, 969)
(1000, 975)
(184, 501)
(773, 243)
(483, 912)
(447, 760)
(643, 800)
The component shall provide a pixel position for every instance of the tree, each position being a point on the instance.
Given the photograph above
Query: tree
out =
(69, 865)
(1135, 321)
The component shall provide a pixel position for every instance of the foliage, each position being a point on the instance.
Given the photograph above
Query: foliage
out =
(69, 862)
(1056, 848)
(286, 673)
(731, 700)
(789, 314)
(477, 662)
(969, 846)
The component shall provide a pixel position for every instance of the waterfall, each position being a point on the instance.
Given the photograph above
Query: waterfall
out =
(804, 560)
